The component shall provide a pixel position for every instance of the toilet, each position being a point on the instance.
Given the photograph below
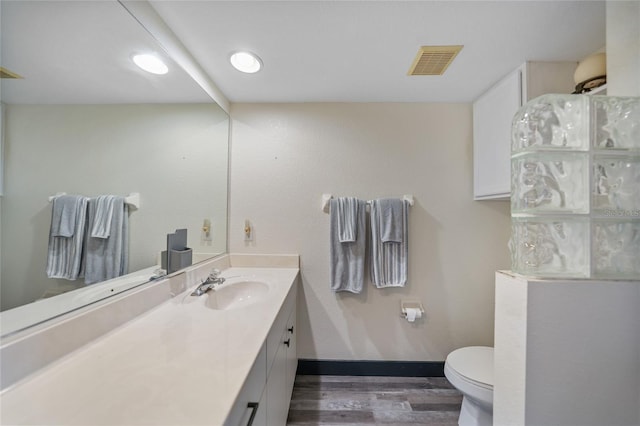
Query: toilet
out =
(470, 370)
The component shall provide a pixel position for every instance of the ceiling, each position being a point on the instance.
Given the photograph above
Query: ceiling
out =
(361, 51)
(79, 52)
(313, 51)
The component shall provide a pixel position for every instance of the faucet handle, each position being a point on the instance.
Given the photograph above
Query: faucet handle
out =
(215, 273)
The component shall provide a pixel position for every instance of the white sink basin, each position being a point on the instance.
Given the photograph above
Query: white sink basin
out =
(236, 294)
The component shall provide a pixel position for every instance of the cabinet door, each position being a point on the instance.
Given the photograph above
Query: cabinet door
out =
(292, 355)
(277, 403)
(260, 418)
(252, 392)
(255, 415)
(492, 116)
(274, 339)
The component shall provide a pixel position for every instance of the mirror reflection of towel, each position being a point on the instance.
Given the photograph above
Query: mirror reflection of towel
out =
(66, 237)
(101, 227)
(64, 215)
(107, 245)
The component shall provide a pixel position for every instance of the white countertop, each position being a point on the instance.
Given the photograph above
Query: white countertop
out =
(180, 363)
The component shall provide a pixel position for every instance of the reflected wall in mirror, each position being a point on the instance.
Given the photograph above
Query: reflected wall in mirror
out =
(85, 120)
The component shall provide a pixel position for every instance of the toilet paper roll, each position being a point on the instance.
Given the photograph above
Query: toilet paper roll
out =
(413, 313)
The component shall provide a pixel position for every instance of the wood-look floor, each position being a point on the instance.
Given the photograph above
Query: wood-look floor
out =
(358, 400)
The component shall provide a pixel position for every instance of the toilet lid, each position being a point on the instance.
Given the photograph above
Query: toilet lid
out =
(473, 362)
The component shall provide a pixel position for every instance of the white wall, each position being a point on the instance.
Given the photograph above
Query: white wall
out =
(284, 156)
(175, 156)
(567, 352)
(623, 48)
(623, 78)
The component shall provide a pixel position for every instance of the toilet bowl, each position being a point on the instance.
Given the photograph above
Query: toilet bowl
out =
(470, 370)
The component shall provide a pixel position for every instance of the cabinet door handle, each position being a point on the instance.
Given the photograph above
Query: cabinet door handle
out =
(254, 410)
(287, 342)
(290, 330)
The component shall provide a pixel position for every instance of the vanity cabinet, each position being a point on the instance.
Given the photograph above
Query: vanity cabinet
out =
(270, 382)
(492, 116)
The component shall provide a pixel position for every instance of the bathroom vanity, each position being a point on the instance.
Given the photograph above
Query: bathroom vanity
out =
(227, 357)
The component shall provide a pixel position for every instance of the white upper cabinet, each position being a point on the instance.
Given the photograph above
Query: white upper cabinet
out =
(492, 116)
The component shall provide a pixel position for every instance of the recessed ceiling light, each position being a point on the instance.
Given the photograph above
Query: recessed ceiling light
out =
(246, 62)
(151, 63)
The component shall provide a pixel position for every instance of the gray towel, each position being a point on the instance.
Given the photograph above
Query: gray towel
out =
(106, 253)
(347, 258)
(389, 260)
(347, 210)
(391, 220)
(104, 214)
(66, 236)
(64, 215)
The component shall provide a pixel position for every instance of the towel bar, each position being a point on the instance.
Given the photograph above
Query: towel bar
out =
(133, 199)
(327, 197)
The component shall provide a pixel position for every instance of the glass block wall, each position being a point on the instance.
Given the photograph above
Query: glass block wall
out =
(575, 187)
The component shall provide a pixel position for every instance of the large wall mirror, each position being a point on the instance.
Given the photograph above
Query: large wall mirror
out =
(84, 119)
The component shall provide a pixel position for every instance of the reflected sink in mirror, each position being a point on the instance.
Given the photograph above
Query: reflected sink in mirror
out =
(233, 294)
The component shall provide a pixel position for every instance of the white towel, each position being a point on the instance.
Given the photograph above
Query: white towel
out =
(66, 236)
(107, 245)
(389, 260)
(347, 258)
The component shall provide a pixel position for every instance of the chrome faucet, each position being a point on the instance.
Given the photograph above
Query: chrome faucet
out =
(214, 279)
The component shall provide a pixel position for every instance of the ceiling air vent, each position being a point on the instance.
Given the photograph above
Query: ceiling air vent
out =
(433, 60)
(5, 73)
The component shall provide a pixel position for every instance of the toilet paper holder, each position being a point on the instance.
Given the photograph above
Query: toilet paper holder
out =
(406, 306)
